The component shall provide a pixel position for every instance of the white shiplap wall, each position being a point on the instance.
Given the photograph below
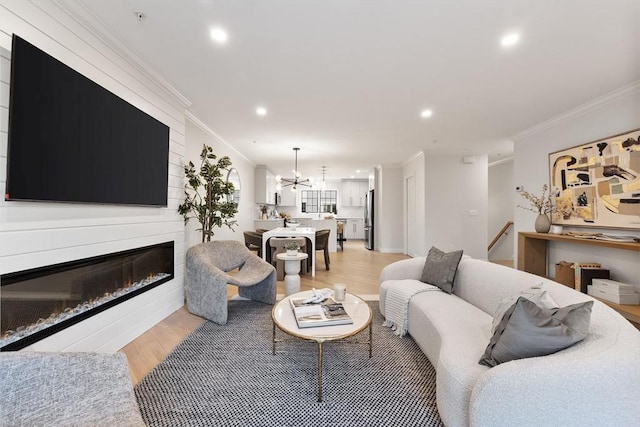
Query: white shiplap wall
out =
(34, 234)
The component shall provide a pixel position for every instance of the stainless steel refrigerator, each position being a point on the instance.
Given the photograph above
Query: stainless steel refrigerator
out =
(368, 220)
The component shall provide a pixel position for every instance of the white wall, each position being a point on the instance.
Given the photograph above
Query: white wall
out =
(609, 115)
(453, 190)
(198, 134)
(500, 208)
(35, 234)
(388, 229)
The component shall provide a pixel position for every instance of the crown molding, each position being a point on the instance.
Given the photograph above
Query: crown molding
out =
(84, 17)
(196, 121)
(415, 156)
(594, 104)
(501, 161)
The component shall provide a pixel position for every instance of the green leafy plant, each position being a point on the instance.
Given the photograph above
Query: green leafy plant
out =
(207, 194)
(292, 246)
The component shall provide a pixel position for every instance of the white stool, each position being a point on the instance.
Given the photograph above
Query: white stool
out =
(292, 270)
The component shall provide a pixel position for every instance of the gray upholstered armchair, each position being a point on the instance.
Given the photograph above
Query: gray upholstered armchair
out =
(207, 278)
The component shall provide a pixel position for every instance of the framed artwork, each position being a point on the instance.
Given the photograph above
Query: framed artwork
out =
(597, 184)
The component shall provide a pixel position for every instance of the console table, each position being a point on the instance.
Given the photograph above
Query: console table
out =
(532, 258)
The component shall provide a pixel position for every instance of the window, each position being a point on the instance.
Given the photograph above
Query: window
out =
(328, 201)
(310, 201)
(315, 201)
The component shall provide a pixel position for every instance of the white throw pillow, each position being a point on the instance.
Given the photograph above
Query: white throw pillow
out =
(536, 294)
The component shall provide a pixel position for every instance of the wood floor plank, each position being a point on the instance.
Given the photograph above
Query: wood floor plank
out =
(356, 267)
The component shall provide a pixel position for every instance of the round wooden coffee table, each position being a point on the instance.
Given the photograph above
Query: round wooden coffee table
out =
(357, 308)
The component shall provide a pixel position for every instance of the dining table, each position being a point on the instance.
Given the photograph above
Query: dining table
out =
(308, 232)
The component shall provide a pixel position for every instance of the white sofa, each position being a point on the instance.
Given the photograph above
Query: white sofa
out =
(595, 382)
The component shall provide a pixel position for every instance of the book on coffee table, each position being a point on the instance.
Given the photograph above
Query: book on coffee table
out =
(325, 313)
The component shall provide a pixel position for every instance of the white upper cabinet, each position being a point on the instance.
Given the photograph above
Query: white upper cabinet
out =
(265, 188)
(354, 192)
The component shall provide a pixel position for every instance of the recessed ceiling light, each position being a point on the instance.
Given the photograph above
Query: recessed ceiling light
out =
(510, 39)
(219, 35)
(358, 171)
(261, 111)
(426, 113)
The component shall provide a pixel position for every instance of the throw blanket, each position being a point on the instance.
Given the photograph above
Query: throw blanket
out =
(397, 303)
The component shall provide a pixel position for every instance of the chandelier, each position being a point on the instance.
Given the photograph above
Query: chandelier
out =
(323, 185)
(296, 180)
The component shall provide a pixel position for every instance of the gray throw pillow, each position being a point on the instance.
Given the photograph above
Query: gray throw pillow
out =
(528, 330)
(440, 268)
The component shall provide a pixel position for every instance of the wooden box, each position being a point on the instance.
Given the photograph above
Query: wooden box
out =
(565, 273)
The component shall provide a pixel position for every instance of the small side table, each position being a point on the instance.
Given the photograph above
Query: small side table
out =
(292, 270)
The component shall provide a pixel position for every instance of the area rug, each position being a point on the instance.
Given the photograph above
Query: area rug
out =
(226, 375)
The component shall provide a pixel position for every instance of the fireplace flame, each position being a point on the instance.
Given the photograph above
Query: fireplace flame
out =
(23, 331)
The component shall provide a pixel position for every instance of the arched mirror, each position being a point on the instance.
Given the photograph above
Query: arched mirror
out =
(234, 177)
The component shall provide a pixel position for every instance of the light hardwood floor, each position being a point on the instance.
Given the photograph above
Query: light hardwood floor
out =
(356, 267)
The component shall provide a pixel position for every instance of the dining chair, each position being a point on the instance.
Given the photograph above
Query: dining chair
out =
(278, 246)
(253, 241)
(322, 244)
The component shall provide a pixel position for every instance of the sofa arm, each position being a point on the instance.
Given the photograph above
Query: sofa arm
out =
(569, 389)
(66, 389)
(405, 269)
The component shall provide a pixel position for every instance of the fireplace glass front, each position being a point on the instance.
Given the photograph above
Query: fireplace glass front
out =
(39, 302)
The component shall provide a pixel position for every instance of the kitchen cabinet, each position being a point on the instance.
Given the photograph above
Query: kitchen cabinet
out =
(354, 229)
(303, 222)
(354, 191)
(265, 186)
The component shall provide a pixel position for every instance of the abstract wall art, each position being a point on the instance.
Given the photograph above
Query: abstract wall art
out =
(598, 184)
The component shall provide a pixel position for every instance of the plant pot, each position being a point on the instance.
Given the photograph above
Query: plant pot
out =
(542, 224)
(292, 252)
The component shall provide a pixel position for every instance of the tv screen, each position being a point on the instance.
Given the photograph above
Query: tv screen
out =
(71, 140)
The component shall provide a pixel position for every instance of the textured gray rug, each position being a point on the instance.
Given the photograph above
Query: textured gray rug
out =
(227, 376)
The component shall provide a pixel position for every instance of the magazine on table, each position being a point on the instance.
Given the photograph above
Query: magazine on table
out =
(325, 313)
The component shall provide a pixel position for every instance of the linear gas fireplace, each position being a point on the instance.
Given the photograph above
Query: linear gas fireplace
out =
(39, 302)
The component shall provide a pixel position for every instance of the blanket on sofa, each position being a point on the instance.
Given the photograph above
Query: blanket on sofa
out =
(397, 303)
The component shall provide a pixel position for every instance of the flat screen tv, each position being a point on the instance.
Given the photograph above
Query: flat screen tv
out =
(71, 140)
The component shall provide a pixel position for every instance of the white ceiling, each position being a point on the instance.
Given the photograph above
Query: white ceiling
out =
(346, 80)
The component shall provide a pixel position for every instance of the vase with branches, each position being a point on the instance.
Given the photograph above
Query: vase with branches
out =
(207, 194)
(542, 206)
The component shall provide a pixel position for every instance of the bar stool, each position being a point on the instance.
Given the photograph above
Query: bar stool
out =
(340, 234)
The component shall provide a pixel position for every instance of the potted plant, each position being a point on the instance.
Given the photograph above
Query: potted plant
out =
(207, 194)
(292, 248)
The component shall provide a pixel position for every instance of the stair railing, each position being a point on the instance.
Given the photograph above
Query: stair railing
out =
(500, 233)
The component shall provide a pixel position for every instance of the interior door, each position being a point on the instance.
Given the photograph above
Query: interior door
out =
(410, 237)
